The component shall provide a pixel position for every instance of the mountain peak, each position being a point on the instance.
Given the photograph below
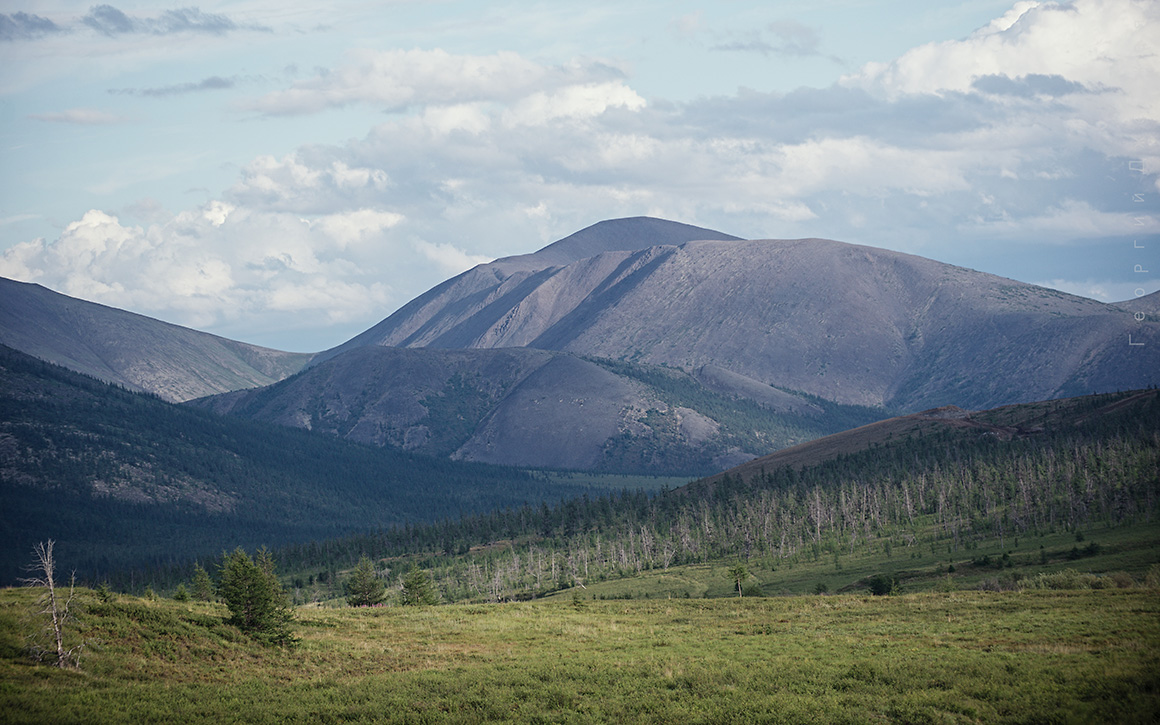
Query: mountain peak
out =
(629, 234)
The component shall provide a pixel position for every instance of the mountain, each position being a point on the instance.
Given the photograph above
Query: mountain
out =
(843, 322)
(478, 290)
(542, 409)
(122, 479)
(1146, 304)
(137, 352)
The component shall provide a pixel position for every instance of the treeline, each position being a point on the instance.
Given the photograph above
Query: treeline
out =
(950, 490)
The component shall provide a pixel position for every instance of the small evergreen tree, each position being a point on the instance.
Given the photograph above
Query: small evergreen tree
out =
(739, 574)
(417, 588)
(181, 594)
(257, 603)
(364, 588)
(202, 585)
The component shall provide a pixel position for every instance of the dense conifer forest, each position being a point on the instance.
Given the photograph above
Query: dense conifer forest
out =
(1078, 463)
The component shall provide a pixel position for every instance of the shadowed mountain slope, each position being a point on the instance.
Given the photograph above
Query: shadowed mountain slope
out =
(539, 408)
(844, 322)
(137, 352)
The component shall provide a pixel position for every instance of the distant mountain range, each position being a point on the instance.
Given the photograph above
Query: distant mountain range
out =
(847, 323)
(137, 352)
(635, 344)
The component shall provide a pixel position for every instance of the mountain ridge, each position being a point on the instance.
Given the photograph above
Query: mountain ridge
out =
(138, 352)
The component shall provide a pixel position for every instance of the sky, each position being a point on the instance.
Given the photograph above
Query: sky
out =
(288, 175)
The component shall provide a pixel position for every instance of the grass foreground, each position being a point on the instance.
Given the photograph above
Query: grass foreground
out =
(938, 657)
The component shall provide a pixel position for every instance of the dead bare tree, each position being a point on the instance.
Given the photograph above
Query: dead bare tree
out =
(60, 614)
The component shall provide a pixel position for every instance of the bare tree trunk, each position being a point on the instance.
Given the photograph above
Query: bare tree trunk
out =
(45, 568)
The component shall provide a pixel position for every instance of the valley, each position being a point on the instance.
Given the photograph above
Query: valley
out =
(651, 472)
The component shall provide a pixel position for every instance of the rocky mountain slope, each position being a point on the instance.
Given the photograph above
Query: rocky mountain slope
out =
(544, 409)
(844, 322)
(489, 288)
(137, 352)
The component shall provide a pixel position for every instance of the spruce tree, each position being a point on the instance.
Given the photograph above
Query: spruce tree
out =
(202, 585)
(417, 588)
(257, 603)
(364, 588)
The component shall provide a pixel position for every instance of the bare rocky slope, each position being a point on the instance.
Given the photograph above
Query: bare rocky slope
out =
(541, 409)
(844, 322)
(137, 352)
(485, 292)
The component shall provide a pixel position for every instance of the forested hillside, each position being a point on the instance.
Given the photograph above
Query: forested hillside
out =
(123, 479)
(1079, 463)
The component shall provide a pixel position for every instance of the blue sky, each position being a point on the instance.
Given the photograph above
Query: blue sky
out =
(291, 175)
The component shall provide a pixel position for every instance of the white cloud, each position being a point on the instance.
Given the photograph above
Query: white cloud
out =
(307, 185)
(1108, 44)
(452, 259)
(217, 264)
(80, 116)
(1067, 221)
(361, 225)
(397, 79)
(572, 102)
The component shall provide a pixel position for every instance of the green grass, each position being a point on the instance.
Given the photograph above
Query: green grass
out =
(920, 567)
(1055, 656)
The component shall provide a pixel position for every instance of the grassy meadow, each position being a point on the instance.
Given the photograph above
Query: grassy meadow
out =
(941, 657)
(1104, 552)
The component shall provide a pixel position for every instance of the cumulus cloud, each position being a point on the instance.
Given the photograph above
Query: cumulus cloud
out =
(217, 264)
(395, 80)
(452, 259)
(26, 26)
(310, 182)
(1095, 43)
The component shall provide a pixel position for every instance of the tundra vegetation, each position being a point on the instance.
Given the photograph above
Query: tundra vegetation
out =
(969, 656)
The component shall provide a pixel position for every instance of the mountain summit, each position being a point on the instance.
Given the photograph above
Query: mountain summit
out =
(412, 325)
(845, 322)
